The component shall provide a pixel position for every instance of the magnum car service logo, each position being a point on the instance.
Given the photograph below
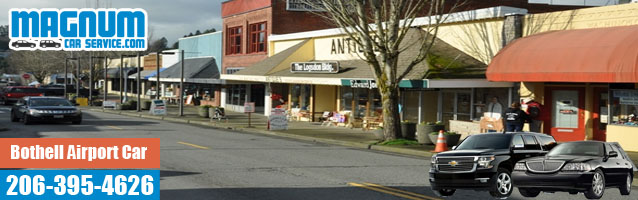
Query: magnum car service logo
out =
(72, 29)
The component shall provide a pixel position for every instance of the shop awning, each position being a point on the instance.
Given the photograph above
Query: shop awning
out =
(146, 74)
(604, 55)
(445, 62)
(196, 70)
(115, 72)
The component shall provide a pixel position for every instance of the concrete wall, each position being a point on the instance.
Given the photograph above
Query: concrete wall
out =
(597, 17)
(625, 135)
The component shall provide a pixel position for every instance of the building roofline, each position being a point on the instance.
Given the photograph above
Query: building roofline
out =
(205, 34)
(484, 13)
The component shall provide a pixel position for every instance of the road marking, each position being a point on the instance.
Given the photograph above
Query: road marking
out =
(384, 191)
(402, 191)
(193, 145)
(114, 127)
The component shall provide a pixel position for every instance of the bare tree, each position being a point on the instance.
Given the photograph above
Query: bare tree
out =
(39, 63)
(379, 27)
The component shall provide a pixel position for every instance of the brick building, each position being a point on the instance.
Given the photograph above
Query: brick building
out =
(248, 24)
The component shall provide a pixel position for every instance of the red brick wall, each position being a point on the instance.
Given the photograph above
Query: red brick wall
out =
(234, 7)
(296, 21)
(243, 20)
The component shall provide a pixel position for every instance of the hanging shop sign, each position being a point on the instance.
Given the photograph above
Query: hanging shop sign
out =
(363, 84)
(315, 67)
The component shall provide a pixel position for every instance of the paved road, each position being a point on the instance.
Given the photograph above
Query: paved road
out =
(204, 163)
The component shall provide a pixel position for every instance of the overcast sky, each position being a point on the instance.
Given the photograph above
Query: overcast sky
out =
(167, 18)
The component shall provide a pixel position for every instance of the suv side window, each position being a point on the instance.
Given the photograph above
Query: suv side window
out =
(530, 143)
(547, 142)
(517, 140)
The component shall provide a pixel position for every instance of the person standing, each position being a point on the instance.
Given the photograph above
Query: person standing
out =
(514, 118)
(493, 108)
(534, 111)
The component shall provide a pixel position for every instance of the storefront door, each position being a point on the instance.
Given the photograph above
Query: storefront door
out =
(600, 116)
(566, 106)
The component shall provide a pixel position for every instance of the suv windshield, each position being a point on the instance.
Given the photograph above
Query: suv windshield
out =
(577, 149)
(50, 102)
(486, 141)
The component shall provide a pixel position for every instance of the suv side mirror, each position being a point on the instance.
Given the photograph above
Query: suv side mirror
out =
(613, 154)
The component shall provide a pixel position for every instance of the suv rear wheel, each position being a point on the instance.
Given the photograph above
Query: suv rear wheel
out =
(444, 192)
(502, 187)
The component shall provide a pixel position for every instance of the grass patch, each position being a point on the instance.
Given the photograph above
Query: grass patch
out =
(400, 142)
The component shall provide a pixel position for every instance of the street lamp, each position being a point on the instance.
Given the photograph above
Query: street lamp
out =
(122, 74)
(157, 93)
(66, 74)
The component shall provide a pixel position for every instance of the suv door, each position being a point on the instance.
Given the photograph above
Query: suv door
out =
(518, 153)
(532, 147)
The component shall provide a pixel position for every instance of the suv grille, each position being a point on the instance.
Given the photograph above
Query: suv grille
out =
(455, 164)
(544, 166)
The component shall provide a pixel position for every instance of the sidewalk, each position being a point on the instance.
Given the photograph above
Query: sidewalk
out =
(307, 131)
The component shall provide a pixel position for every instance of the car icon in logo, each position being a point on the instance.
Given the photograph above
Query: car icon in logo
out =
(23, 43)
(49, 43)
(453, 163)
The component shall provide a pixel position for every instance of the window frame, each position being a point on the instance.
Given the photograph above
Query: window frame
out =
(536, 145)
(253, 37)
(234, 34)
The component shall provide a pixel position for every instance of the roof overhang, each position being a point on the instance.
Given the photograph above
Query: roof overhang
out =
(602, 55)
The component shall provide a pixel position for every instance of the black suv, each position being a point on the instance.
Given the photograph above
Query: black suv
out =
(485, 162)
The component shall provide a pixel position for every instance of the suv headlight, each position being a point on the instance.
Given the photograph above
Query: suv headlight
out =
(581, 167)
(520, 167)
(485, 161)
(433, 161)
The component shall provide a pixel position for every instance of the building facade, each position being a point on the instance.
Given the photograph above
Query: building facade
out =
(581, 65)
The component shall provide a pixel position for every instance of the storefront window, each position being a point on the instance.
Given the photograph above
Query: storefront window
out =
(361, 102)
(236, 94)
(300, 97)
(624, 107)
(346, 98)
(490, 102)
(410, 107)
(376, 109)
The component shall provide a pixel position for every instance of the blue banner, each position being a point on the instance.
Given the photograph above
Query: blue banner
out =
(79, 184)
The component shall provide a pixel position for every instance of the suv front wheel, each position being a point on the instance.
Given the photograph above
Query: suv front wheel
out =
(502, 187)
(444, 192)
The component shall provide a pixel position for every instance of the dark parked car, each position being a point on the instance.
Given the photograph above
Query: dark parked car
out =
(485, 162)
(45, 109)
(49, 43)
(12, 94)
(23, 43)
(588, 166)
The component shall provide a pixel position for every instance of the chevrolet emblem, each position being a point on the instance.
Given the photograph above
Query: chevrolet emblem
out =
(453, 163)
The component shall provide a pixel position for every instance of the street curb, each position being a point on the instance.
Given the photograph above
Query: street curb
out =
(280, 134)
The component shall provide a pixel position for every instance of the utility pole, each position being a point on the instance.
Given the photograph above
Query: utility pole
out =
(139, 71)
(181, 87)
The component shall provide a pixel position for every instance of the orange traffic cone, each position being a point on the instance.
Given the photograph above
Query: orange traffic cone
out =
(441, 145)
